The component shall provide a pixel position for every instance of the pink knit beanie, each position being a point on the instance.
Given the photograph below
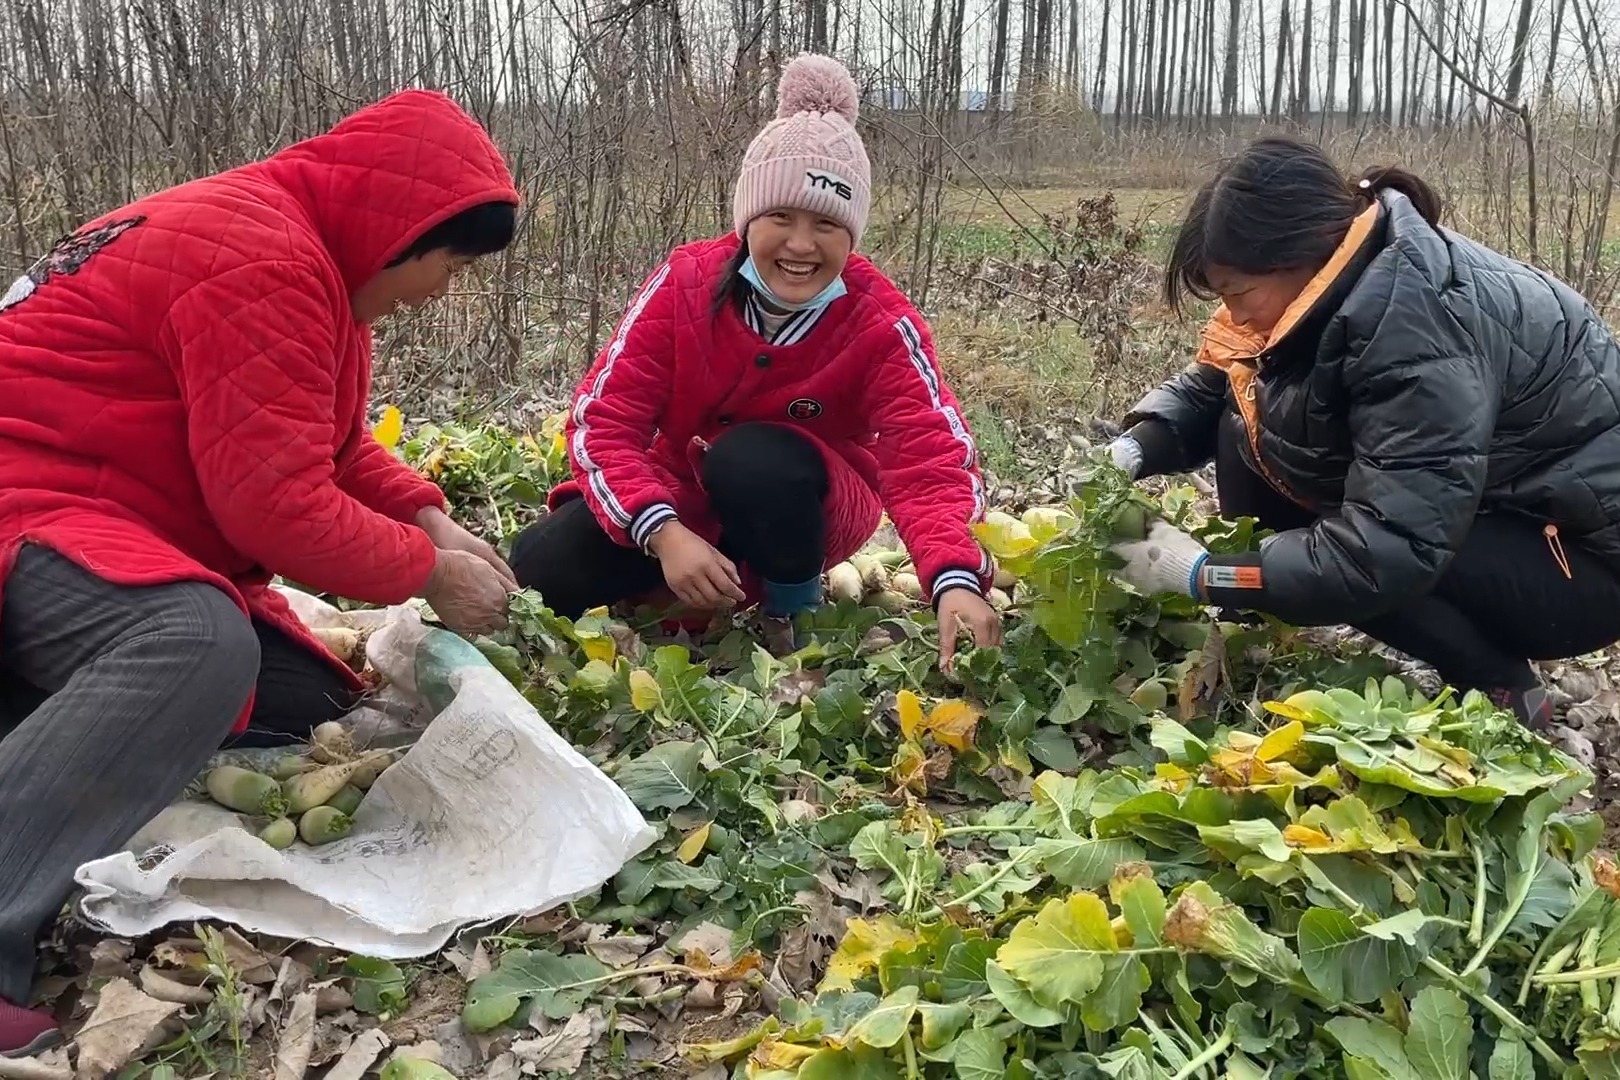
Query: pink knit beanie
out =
(809, 157)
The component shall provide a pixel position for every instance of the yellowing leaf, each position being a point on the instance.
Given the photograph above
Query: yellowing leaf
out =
(1286, 711)
(953, 724)
(910, 768)
(1004, 536)
(865, 942)
(772, 1054)
(389, 427)
(692, 846)
(1240, 769)
(1281, 742)
(1303, 836)
(644, 692)
(1172, 776)
(598, 648)
(911, 714)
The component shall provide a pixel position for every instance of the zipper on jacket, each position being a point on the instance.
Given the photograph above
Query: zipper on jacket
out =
(1550, 531)
(1251, 395)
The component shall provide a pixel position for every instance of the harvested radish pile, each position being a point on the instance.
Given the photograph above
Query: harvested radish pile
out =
(307, 798)
(1133, 842)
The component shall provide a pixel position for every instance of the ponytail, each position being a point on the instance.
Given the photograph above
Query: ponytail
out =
(1392, 177)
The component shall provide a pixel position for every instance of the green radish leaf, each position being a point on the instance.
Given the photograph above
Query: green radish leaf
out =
(1376, 1043)
(1016, 998)
(884, 1025)
(855, 1063)
(667, 777)
(558, 985)
(379, 985)
(962, 976)
(1059, 953)
(1117, 1000)
(1141, 902)
(979, 1055)
(1438, 1038)
(1511, 1060)
(942, 1023)
(1080, 862)
(1345, 963)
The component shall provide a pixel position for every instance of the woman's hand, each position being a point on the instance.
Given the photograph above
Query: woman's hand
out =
(697, 573)
(961, 608)
(448, 536)
(466, 593)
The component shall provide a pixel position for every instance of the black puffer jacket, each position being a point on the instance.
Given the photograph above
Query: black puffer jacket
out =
(1433, 380)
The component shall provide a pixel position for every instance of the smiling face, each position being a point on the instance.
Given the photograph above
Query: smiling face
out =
(798, 253)
(1257, 301)
(411, 284)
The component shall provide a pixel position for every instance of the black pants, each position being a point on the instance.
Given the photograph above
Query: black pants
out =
(767, 486)
(1501, 602)
(111, 699)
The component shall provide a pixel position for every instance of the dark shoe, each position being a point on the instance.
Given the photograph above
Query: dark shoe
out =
(780, 635)
(1533, 707)
(24, 1032)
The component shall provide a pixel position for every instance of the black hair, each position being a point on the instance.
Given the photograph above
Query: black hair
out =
(481, 230)
(733, 287)
(1281, 204)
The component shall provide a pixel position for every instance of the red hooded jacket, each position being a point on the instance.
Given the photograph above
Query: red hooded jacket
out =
(860, 380)
(183, 384)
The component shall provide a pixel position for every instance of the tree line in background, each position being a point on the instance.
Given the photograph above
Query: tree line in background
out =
(624, 119)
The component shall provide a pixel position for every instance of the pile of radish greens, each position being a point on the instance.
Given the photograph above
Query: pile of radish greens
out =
(1131, 843)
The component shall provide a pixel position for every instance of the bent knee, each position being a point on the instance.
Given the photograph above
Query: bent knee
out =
(211, 639)
(764, 460)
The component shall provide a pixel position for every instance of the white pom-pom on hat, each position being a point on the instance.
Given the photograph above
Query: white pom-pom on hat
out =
(817, 84)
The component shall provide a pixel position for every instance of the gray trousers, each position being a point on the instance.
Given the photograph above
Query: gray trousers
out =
(112, 698)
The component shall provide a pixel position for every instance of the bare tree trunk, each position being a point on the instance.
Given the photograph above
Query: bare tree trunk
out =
(1229, 80)
(1280, 79)
(1102, 57)
(1521, 48)
(1302, 96)
(998, 56)
(1260, 68)
(1552, 52)
(1389, 63)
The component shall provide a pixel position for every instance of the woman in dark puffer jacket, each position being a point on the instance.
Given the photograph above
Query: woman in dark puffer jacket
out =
(1431, 428)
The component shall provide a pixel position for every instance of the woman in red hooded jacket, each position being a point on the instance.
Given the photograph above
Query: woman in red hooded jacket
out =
(183, 389)
(764, 398)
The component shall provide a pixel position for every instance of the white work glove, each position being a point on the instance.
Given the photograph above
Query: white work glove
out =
(1167, 561)
(1126, 453)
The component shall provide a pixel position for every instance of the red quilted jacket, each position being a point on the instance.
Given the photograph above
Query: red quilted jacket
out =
(183, 385)
(861, 380)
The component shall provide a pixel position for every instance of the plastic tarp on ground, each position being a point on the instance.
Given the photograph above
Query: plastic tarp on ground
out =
(490, 814)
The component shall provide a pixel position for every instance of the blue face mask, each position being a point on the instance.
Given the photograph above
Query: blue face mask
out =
(832, 292)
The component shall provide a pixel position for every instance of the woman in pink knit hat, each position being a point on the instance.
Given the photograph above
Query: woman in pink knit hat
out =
(765, 397)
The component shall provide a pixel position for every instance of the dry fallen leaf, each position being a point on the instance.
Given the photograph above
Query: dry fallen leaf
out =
(366, 1048)
(620, 951)
(471, 965)
(562, 1050)
(245, 958)
(122, 1021)
(461, 1052)
(51, 1065)
(712, 940)
(109, 959)
(160, 986)
(504, 1067)
(291, 977)
(297, 1038)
